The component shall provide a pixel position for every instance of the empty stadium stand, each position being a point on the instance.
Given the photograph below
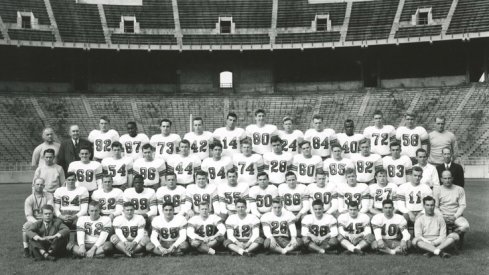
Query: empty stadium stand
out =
(9, 9)
(299, 13)
(225, 39)
(417, 31)
(146, 39)
(439, 8)
(371, 20)
(470, 16)
(153, 14)
(315, 37)
(31, 35)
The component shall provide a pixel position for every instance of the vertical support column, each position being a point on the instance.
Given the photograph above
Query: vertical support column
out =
(397, 18)
(52, 20)
(103, 20)
(176, 18)
(3, 30)
(346, 22)
(273, 30)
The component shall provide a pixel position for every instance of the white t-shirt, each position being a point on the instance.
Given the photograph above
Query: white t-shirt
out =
(119, 169)
(199, 144)
(350, 144)
(277, 166)
(380, 139)
(411, 139)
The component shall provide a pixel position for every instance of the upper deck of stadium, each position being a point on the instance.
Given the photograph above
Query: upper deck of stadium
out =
(238, 24)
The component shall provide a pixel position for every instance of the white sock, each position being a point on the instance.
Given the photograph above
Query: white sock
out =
(26, 245)
(392, 252)
(437, 251)
(211, 251)
(284, 251)
(241, 251)
(349, 246)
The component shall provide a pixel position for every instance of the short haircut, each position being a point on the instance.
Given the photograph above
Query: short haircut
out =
(394, 143)
(116, 144)
(85, 148)
(275, 139)
(198, 118)
(165, 204)
(47, 207)
(420, 150)
(380, 171)
(246, 141)
(49, 150)
(441, 117)
(202, 203)
(336, 145)
(94, 204)
(428, 198)
(303, 143)
(287, 118)
(106, 118)
(261, 174)
(215, 144)
(290, 173)
(350, 171)
(349, 120)
(363, 141)
(201, 173)
(317, 202)
(138, 177)
(317, 117)
(446, 148)
(132, 123)
(231, 114)
(108, 176)
(240, 200)
(418, 169)
(260, 111)
(232, 171)
(165, 120)
(127, 204)
(148, 146)
(185, 141)
(387, 201)
(410, 115)
(70, 174)
(276, 200)
(378, 112)
(171, 173)
(353, 204)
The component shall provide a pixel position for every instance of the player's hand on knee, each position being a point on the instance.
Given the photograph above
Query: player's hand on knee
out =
(403, 246)
(380, 244)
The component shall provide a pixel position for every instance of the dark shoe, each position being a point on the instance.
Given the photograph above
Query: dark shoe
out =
(445, 255)
(347, 252)
(27, 253)
(50, 258)
(248, 254)
(428, 254)
(358, 251)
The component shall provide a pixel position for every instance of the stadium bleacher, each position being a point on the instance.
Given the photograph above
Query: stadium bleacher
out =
(316, 37)
(470, 16)
(153, 14)
(31, 35)
(299, 13)
(439, 8)
(225, 39)
(9, 9)
(417, 31)
(146, 39)
(371, 20)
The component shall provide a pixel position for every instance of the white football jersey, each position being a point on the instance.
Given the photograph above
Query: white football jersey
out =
(379, 194)
(242, 228)
(183, 167)
(320, 141)
(411, 139)
(133, 146)
(231, 140)
(326, 194)
(291, 141)
(70, 201)
(196, 195)
(397, 169)
(279, 225)
(260, 137)
(365, 166)
(248, 167)
(263, 197)
(102, 142)
(413, 196)
(336, 169)
(217, 169)
(142, 201)
(350, 144)
(207, 227)
(150, 170)
(277, 166)
(306, 168)
(229, 194)
(119, 169)
(353, 226)
(93, 228)
(357, 193)
(317, 229)
(176, 197)
(86, 173)
(130, 227)
(391, 228)
(109, 201)
(294, 199)
(169, 231)
(199, 144)
(380, 139)
(165, 146)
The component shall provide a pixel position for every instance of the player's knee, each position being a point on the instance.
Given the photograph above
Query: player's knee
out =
(114, 239)
(26, 226)
(108, 247)
(454, 236)
(195, 243)
(150, 247)
(415, 242)
(333, 241)
(306, 241)
(266, 243)
(369, 238)
(184, 246)
(374, 245)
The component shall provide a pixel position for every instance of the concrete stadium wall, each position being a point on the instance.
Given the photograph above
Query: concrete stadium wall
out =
(423, 82)
(22, 87)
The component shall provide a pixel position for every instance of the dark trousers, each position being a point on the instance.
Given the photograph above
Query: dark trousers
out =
(58, 247)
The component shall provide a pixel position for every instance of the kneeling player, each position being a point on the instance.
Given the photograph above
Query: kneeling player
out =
(130, 237)
(279, 229)
(169, 233)
(91, 234)
(388, 228)
(319, 230)
(205, 231)
(243, 231)
(354, 230)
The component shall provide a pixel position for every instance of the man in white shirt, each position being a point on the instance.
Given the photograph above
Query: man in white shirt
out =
(199, 139)
(412, 137)
(230, 136)
(290, 138)
(133, 141)
(205, 231)
(166, 143)
(439, 139)
(349, 140)
(380, 135)
(430, 175)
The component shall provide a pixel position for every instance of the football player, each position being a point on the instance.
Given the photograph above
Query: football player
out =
(133, 141)
(261, 133)
(229, 193)
(130, 235)
(410, 196)
(381, 191)
(354, 230)
(399, 168)
(151, 169)
(430, 174)
(183, 164)
(336, 166)
(70, 201)
(320, 138)
(294, 196)
(205, 231)
(247, 164)
(348, 140)
(305, 165)
(319, 230)
(199, 139)
(230, 136)
(412, 137)
(88, 172)
(353, 191)
(102, 139)
(380, 135)
(290, 138)
(143, 199)
(201, 191)
(366, 163)
(172, 193)
(109, 198)
(119, 167)
(277, 162)
(325, 191)
(261, 196)
(217, 166)
(166, 143)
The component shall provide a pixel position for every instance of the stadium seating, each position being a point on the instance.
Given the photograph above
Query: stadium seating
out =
(315, 37)
(9, 9)
(146, 39)
(205, 14)
(31, 35)
(153, 14)
(439, 8)
(470, 16)
(299, 13)
(226, 39)
(371, 20)
(417, 31)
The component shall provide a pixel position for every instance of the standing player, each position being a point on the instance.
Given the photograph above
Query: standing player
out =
(171, 193)
(199, 139)
(366, 163)
(320, 138)
(70, 201)
(349, 140)
(243, 231)
(399, 168)
(133, 141)
(152, 170)
(183, 165)
(306, 165)
(118, 167)
(230, 192)
(91, 234)
(280, 230)
(353, 191)
(354, 230)
(319, 230)
(217, 166)
(325, 191)
(410, 196)
(109, 198)
(230, 136)
(248, 164)
(205, 231)
(336, 166)
(390, 230)
(262, 195)
(380, 135)
(49, 143)
(143, 199)
(261, 133)
(294, 196)
(102, 139)
(201, 191)
(412, 137)
(169, 233)
(130, 237)
(52, 174)
(88, 172)
(380, 191)
(277, 163)
(290, 138)
(166, 143)
(430, 174)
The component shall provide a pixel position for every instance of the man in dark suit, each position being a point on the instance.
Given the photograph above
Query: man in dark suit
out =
(456, 169)
(70, 148)
(48, 236)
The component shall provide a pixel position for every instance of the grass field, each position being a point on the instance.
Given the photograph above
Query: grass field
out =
(473, 259)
